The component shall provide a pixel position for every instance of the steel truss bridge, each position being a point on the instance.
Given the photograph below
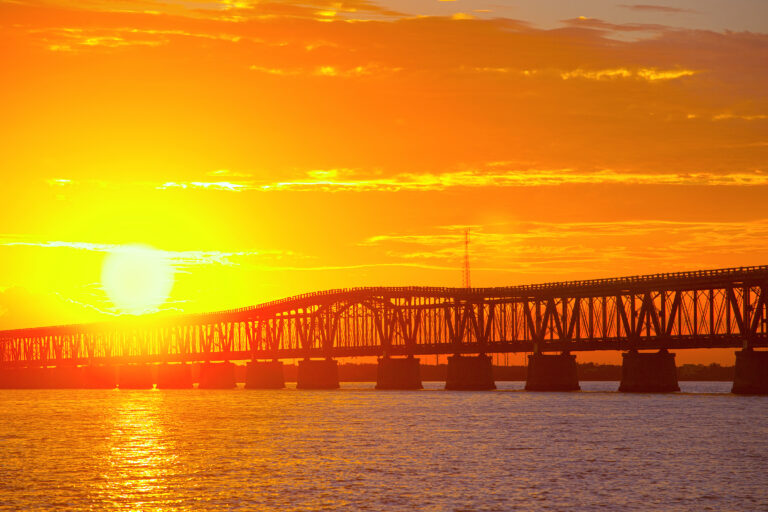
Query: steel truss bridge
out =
(702, 309)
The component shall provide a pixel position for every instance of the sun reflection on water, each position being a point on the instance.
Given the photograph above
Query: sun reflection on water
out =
(141, 463)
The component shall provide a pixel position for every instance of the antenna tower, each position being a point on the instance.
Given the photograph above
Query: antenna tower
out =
(467, 283)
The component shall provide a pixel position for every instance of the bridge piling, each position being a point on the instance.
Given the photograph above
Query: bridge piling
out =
(264, 375)
(751, 373)
(174, 376)
(398, 373)
(552, 372)
(217, 376)
(648, 372)
(469, 373)
(317, 374)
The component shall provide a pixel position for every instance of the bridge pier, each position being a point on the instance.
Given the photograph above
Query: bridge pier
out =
(217, 376)
(552, 372)
(135, 376)
(318, 374)
(648, 372)
(398, 373)
(470, 373)
(264, 375)
(751, 373)
(174, 376)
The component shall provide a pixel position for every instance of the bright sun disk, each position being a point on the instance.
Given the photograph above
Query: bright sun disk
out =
(137, 278)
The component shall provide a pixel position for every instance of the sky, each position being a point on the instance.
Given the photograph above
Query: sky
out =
(279, 147)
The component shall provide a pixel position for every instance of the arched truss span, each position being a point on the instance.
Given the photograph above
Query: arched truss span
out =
(714, 308)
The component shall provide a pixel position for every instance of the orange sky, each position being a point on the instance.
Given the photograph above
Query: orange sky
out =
(274, 148)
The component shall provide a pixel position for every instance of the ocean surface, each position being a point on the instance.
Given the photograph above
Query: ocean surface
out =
(361, 449)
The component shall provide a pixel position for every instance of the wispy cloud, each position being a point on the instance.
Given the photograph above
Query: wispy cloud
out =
(207, 185)
(179, 259)
(656, 8)
(649, 74)
(524, 245)
(330, 181)
(333, 71)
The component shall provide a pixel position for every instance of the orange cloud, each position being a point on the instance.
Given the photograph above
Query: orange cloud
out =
(328, 180)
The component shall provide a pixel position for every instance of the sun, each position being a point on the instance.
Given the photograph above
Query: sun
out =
(137, 278)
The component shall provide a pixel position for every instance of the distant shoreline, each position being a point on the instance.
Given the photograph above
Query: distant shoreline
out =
(366, 372)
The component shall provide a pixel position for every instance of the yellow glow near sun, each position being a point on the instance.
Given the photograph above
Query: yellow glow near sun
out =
(137, 278)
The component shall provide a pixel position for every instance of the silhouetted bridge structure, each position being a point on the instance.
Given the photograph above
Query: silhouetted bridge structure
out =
(661, 312)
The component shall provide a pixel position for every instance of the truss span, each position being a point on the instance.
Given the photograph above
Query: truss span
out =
(701, 309)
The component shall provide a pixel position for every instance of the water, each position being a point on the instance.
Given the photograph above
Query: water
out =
(360, 449)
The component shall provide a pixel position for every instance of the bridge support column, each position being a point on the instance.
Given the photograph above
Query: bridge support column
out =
(314, 374)
(174, 376)
(398, 373)
(217, 376)
(135, 376)
(99, 377)
(470, 373)
(648, 372)
(264, 375)
(552, 372)
(751, 373)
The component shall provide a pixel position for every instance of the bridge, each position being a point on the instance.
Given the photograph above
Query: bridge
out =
(722, 308)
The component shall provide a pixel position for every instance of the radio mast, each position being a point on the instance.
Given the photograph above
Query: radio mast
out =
(467, 283)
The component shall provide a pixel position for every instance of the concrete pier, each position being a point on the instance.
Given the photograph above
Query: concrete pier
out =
(135, 376)
(552, 372)
(648, 372)
(318, 374)
(264, 375)
(217, 376)
(174, 376)
(398, 373)
(751, 373)
(470, 373)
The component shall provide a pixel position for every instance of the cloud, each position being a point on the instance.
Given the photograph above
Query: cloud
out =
(327, 71)
(179, 259)
(443, 94)
(583, 246)
(208, 185)
(647, 74)
(492, 176)
(656, 8)
(598, 24)
(743, 117)
(650, 74)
